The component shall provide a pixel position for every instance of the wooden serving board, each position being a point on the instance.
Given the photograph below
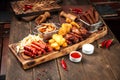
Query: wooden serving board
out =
(28, 62)
(38, 7)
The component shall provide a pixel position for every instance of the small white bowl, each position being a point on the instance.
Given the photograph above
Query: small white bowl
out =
(75, 56)
(88, 49)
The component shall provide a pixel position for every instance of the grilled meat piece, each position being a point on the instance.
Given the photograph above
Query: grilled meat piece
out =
(67, 36)
(69, 42)
(83, 31)
(75, 39)
(71, 38)
(77, 35)
(75, 30)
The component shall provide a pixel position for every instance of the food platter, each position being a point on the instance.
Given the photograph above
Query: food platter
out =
(25, 8)
(29, 62)
(71, 33)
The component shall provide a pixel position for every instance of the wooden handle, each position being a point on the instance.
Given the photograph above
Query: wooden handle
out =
(62, 13)
(70, 16)
(42, 18)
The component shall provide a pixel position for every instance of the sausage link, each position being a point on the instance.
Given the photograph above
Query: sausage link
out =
(28, 53)
(29, 48)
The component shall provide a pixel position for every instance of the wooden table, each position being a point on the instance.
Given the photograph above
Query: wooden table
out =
(114, 5)
(102, 65)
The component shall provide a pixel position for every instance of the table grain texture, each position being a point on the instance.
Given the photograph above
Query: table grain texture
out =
(102, 65)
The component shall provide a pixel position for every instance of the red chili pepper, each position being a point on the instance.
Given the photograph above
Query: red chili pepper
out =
(26, 7)
(102, 44)
(63, 64)
(108, 43)
(76, 10)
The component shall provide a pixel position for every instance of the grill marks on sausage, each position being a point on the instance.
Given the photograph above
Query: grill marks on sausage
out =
(37, 48)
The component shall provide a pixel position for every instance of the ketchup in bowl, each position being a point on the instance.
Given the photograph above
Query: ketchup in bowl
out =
(75, 56)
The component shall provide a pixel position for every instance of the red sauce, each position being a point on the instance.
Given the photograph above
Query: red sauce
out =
(75, 55)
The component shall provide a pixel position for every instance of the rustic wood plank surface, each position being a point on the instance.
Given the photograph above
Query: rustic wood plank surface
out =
(4, 55)
(112, 56)
(0, 53)
(16, 36)
(102, 65)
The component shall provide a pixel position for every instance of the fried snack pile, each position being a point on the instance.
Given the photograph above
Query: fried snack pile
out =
(47, 27)
(69, 33)
(57, 41)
